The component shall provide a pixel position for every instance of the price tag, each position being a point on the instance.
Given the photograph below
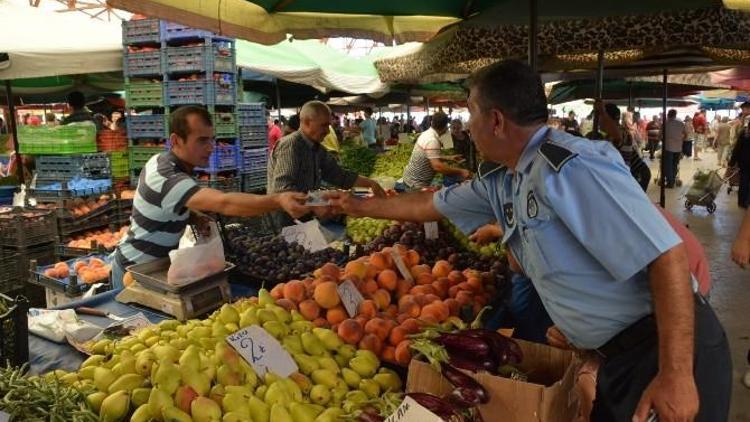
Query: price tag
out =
(411, 411)
(431, 230)
(263, 352)
(4, 417)
(402, 268)
(308, 235)
(350, 297)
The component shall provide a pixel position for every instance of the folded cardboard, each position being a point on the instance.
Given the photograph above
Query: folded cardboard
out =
(547, 395)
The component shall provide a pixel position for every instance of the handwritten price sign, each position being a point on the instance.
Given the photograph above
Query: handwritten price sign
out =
(411, 411)
(350, 297)
(431, 230)
(263, 352)
(308, 235)
(401, 265)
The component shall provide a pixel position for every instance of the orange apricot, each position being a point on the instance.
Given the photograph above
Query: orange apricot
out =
(388, 279)
(320, 322)
(403, 353)
(368, 309)
(372, 343)
(464, 298)
(370, 287)
(295, 291)
(379, 327)
(413, 257)
(382, 298)
(453, 306)
(379, 261)
(475, 284)
(309, 309)
(403, 287)
(416, 270)
(392, 311)
(278, 291)
(326, 295)
(410, 326)
(410, 308)
(389, 354)
(336, 315)
(425, 278)
(356, 268)
(396, 336)
(350, 331)
(287, 304)
(455, 277)
(441, 269)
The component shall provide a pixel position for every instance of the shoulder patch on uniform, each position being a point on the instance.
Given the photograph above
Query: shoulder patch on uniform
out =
(556, 155)
(487, 168)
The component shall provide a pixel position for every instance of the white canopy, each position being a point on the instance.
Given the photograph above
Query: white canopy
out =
(44, 43)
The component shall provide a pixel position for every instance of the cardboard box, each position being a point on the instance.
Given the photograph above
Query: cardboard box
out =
(548, 396)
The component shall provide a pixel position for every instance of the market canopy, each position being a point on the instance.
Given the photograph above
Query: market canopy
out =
(269, 21)
(39, 43)
(572, 32)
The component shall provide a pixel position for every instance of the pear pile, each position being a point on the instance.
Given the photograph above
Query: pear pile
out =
(175, 372)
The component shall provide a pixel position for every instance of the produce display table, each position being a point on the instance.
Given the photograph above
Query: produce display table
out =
(45, 355)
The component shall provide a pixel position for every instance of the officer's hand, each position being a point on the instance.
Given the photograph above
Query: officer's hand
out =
(672, 395)
(293, 203)
(342, 202)
(465, 174)
(486, 234)
(741, 252)
(556, 338)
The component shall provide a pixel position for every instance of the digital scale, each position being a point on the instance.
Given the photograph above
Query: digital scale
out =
(151, 289)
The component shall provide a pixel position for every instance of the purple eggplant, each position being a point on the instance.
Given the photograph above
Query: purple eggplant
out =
(505, 349)
(474, 365)
(436, 405)
(468, 345)
(370, 417)
(464, 382)
(464, 398)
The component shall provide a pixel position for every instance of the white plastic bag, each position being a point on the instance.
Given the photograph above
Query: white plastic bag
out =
(205, 258)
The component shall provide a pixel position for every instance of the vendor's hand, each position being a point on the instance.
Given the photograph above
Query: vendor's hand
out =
(293, 203)
(465, 174)
(201, 224)
(342, 202)
(486, 234)
(323, 213)
(741, 252)
(556, 338)
(672, 395)
(377, 190)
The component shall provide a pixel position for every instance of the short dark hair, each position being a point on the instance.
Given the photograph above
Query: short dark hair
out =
(76, 99)
(439, 121)
(178, 120)
(368, 110)
(612, 111)
(672, 113)
(513, 88)
(293, 122)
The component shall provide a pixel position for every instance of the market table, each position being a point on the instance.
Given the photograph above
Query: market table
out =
(45, 355)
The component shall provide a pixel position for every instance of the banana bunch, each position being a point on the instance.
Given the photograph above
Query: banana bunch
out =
(179, 372)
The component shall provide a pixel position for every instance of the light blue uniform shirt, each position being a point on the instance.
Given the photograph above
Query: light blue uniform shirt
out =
(368, 131)
(580, 226)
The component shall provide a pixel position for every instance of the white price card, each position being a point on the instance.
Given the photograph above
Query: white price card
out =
(411, 411)
(431, 230)
(402, 268)
(308, 235)
(350, 297)
(4, 417)
(263, 352)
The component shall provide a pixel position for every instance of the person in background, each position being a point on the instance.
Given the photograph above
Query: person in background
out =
(80, 113)
(653, 134)
(291, 126)
(384, 132)
(3, 129)
(691, 137)
(274, 132)
(676, 134)
(723, 140)
(368, 129)
(426, 123)
(50, 119)
(741, 159)
(331, 143)
(102, 122)
(713, 128)
(741, 246)
(622, 139)
(336, 124)
(426, 159)
(462, 143)
(570, 124)
(300, 164)
(700, 125)
(167, 194)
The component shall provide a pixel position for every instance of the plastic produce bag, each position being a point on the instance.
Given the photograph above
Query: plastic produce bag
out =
(57, 325)
(204, 259)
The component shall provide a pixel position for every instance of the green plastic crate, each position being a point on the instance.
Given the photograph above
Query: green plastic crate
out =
(74, 138)
(225, 125)
(120, 163)
(138, 156)
(144, 94)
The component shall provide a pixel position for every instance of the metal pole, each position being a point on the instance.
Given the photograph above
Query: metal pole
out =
(533, 33)
(278, 99)
(630, 95)
(599, 85)
(14, 130)
(663, 177)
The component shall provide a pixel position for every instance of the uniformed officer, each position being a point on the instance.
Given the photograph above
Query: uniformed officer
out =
(609, 269)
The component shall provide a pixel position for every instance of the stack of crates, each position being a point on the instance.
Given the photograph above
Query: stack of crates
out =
(253, 133)
(26, 235)
(115, 144)
(169, 65)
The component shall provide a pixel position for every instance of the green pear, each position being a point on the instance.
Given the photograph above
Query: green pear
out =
(320, 394)
(276, 329)
(307, 364)
(190, 360)
(265, 298)
(115, 407)
(331, 414)
(173, 414)
(249, 317)
(95, 400)
(329, 339)
(370, 387)
(279, 413)
(204, 409)
(103, 378)
(140, 396)
(226, 376)
(142, 414)
(157, 400)
(325, 377)
(300, 327)
(197, 380)
(228, 314)
(166, 376)
(302, 413)
(312, 345)
(292, 343)
(238, 403)
(259, 411)
(327, 362)
(351, 378)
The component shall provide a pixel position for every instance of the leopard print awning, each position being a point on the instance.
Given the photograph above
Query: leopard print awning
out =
(722, 35)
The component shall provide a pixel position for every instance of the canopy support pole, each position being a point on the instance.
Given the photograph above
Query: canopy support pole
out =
(408, 107)
(278, 99)
(533, 33)
(14, 130)
(599, 87)
(663, 177)
(630, 95)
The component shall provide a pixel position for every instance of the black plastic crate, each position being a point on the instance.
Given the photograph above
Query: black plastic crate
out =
(74, 284)
(216, 57)
(229, 184)
(9, 276)
(42, 254)
(21, 228)
(69, 167)
(141, 31)
(254, 181)
(142, 63)
(53, 191)
(14, 330)
(64, 251)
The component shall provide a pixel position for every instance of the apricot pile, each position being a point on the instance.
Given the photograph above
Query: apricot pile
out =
(394, 307)
(89, 271)
(104, 238)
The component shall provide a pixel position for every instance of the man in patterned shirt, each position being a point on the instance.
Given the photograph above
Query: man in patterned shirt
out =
(166, 194)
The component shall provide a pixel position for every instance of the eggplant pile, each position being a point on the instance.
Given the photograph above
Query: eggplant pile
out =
(479, 349)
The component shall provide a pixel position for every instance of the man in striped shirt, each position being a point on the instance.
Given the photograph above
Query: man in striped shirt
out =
(425, 158)
(167, 193)
(299, 162)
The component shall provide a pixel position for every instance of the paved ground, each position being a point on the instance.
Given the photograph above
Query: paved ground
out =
(730, 296)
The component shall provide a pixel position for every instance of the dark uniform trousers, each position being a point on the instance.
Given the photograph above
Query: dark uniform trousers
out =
(627, 371)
